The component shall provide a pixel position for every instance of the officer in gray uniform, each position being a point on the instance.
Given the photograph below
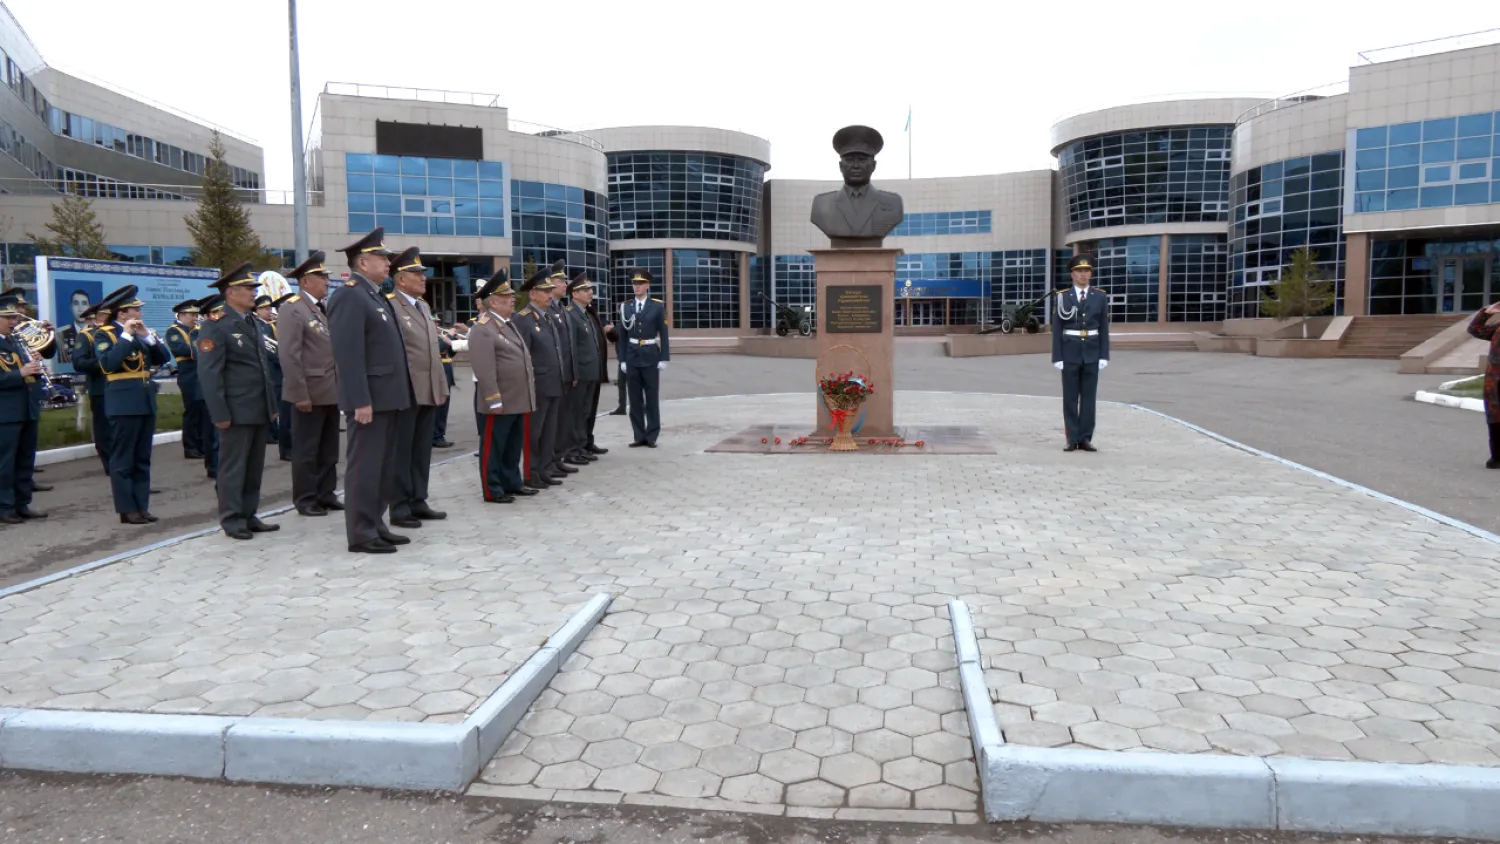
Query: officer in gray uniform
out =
(1080, 348)
(562, 444)
(645, 351)
(310, 389)
(545, 341)
(374, 386)
(587, 366)
(234, 370)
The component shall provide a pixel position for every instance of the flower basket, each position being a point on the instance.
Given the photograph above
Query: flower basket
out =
(843, 393)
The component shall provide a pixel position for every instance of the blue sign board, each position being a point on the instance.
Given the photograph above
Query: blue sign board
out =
(66, 286)
(941, 288)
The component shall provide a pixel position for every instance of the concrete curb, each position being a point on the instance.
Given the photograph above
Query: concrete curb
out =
(78, 452)
(1221, 792)
(1449, 401)
(290, 751)
(1472, 530)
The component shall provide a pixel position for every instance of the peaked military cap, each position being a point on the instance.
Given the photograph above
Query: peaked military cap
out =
(498, 285)
(312, 266)
(1081, 262)
(852, 139)
(241, 276)
(560, 269)
(121, 299)
(371, 244)
(90, 312)
(211, 304)
(409, 261)
(640, 277)
(540, 280)
(282, 300)
(580, 282)
(262, 301)
(15, 293)
(10, 305)
(188, 307)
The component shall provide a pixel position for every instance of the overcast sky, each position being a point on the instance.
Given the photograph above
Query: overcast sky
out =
(985, 79)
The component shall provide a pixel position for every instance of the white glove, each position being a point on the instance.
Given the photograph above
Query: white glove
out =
(661, 365)
(1103, 363)
(496, 405)
(622, 366)
(1057, 365)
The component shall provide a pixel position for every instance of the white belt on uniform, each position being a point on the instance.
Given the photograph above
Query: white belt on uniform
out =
(637, 342)
(1072, 332)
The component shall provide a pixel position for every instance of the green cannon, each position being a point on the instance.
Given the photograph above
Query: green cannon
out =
(1026, 316)
(789, 319)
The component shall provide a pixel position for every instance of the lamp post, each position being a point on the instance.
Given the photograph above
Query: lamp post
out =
(299, 163)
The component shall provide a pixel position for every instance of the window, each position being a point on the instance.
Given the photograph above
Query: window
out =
(692, 195)
(944, 222)
(399, 193)
(1277, 209)
(567, 227)
(1427, 164)
(1163, 175)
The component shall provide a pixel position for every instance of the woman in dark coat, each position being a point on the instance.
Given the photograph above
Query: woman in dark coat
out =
(1486, 326)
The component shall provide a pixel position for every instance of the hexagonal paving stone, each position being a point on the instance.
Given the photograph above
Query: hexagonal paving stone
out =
(632, 779)
(613, 753)
(555, 749)
(752, 788)
(672, 756)
(824, 741)
(688, 782)
(710, 734)
(765, 738)
(575, 775)
(882, 745)
(729, 761)
(800, 716)
(814, 793)
(942, 748)
(856, 718)
(653, 731)
(789, 766)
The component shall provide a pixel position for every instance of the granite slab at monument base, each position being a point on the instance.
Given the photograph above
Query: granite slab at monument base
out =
(935, 439)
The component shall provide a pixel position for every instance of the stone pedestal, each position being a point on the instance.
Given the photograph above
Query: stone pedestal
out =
(857, 291)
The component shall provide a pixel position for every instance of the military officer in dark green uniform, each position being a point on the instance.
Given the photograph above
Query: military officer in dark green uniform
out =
(1080, 348)
(20, 416)
(645, 350)
(127, 350)
(180, 343)
(84, 361)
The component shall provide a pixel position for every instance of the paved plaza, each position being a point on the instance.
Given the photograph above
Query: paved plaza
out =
(779, 635)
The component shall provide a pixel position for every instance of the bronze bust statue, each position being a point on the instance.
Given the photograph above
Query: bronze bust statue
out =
(857, 215)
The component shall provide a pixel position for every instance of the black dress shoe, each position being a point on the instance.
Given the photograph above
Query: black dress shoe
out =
(1492, 464)
(28, 513)
(36, 487)
(242, 533)
(566, 469)
(637, 445)
(586, 457)
(133, 519)
(575, 461)
(374, 546)
(619, 411)
(312, 510)
(394, 538)
(535, 487)
(1071, 447)
(258, 526)
(594, 449)
(191, 455)
(15, 519)
(1087, 446)
(525, 490)
(427, 514)
(650, 445)
(406, 521)
(286, 458)
(148, 517)
(504, 499)
(154, 491)
(442, 444)
(331, 506)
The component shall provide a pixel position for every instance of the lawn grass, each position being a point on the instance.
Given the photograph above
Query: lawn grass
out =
(59, 427)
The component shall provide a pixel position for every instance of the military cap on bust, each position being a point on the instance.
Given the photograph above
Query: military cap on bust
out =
(121, 299)
(498, 285)
(409, 261)
(10, 305)
(312, 266)
(371, 244)
(641, 277)
(560, 270)
(852, 139)
(241, 276)
(580, 282)
(1081, 262)
(188, 307)
(540, 280)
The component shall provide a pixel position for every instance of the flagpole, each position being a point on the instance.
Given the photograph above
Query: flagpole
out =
(908, 142)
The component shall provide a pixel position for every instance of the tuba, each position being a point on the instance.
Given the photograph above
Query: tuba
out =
(39, 341)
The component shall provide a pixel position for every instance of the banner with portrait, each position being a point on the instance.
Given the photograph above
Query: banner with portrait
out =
(66, 286)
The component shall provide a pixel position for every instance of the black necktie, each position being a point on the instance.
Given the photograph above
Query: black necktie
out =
(322, 309)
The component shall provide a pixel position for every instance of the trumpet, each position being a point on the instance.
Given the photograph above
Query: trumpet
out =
(28, 357)
(270, 343)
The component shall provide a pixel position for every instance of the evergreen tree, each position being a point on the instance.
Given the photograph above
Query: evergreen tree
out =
(222, 235)
(75, 231)
(1300, 292)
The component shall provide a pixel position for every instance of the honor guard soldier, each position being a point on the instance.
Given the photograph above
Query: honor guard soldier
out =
(180, 338)
(127, 350)
(21, 386)
(85, 361)
(310, 388)
(1080, 348)
(588, 365)
(505, 391)
(235, 369)
(646, 350)
(374, 387)
(429, 386)
(545, 342)
(563, 444)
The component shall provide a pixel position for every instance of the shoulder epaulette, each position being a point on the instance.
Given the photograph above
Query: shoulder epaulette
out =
(293, 299)
(1101, 290)
(526, 311)
(390, 295)
(1060, 291)
(658, 301)
(484, 319)
(108, 329)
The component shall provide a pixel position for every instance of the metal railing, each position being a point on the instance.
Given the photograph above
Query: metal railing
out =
(132, 190)
(1147, 99)
(172, 110)
(1482, 38)
(1332, 89)
(464, 98)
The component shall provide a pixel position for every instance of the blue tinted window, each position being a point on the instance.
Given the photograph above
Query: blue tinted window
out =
(414, 225)
(387, 184)
(1401, 200)
(442, 225)
(1474, 170)
(389, 164)
(1437, 151)
(413, 166)
(391, 222)
(491, 190)
(1474, 193)
(491, 170)
(1405, 133)
(1437, 174)
(439, 167)
(1402, 177)
(1370, 180)
(944, 222)
(1474, 124)
(1368, 138)
(1404, 156)
(413, 186)
(416, 205)
(1437, 197)
(466, 187)
(357, 163)
(361, 183)
(491, 208)
(466, 226)
(1470, 148)
(361, 222)
(1369, 202)
(528, 189)
(387, 204)
(492, 227)
(442, 206)
(1441, 129)
(466, 169)
(362, 203)
(552, 191)
(1369, 159)
(575, 195)
(1267, 190)
(440, 187)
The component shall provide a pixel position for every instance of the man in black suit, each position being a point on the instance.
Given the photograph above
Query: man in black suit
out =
(1080, 348)
(645, 352)
(374, 386)
(234, 372)
(545, 343)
